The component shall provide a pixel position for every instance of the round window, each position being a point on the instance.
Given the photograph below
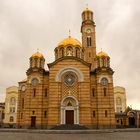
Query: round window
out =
(35, 81)
(104, 81)
(23, 88)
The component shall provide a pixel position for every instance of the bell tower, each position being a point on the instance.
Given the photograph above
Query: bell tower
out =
(88, 37)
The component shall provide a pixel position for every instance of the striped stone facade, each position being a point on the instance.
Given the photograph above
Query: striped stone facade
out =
(77, 88)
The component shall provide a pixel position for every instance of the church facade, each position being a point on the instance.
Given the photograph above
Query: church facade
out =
(77, 88)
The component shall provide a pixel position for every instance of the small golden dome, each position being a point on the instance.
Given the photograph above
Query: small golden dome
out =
(69, 41)
(102, 54)
(87, 10)
(37, 54)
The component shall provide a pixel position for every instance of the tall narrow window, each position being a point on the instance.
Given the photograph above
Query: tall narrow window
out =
(94, 115)
(104, 89)
(22, 104)
(88, 41)
(46, 92)
(93, 92)
(62, 52)
(45, 114)
(34, 92)
(105, 113)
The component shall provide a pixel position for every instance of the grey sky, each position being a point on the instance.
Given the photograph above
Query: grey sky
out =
(26, 25)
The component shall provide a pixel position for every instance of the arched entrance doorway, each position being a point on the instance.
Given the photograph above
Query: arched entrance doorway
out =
(131, 121)
(69, 110)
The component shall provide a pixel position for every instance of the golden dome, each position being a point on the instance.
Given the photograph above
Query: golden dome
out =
(102, 54)
(87, 10)
(37, 54)
(69, 41)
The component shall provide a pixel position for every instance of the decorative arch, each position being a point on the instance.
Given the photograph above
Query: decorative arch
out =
(69, 103)
(69, 69)
(69, 97)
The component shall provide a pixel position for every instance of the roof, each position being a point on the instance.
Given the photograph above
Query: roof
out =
(69, 41)
(102, 54)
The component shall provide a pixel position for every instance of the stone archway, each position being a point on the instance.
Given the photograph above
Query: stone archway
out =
(69, 110)
(131, 121)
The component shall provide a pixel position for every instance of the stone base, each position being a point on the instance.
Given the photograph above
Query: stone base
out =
(53, 126)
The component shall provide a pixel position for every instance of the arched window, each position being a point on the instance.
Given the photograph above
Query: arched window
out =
(104, 81)
(69, 51)
(89, 41)
(13, 101)
(77, 52)
(11, 119)
(118, 101)
(56, 54)
(61, 52)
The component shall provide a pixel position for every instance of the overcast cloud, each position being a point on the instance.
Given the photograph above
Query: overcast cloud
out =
(26, 25)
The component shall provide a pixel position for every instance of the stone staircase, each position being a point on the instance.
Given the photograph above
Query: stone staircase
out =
(69, 127)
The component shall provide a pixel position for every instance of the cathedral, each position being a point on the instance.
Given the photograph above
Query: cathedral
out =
(77, 88)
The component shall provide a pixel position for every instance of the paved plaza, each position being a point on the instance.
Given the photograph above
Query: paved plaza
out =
(99, 135)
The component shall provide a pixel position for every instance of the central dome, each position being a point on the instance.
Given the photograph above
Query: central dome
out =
(69, 41)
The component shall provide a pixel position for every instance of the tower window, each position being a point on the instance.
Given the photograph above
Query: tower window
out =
(46, 92)
(45, 114)
(104, 81)
(88, 41)
(35, 81)
(104, 89)
(34, 92)
(93, 92)
(22, 104)
(94, 115)
(105, 113)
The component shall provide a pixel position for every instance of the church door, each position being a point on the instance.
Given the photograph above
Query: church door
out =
(69, 116)
(33, 121)
(131, 121)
